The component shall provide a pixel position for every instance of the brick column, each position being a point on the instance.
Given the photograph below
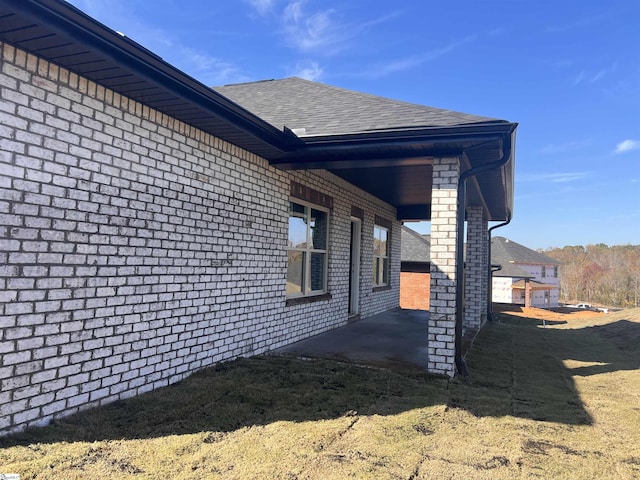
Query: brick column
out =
(484, 308)
(444, 223)
(476, 269)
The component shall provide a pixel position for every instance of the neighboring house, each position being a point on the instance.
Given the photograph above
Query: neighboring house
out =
(151, 226)
(525, 277)
(414, 270)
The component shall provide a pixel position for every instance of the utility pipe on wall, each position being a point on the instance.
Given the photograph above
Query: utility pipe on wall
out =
(461, 366)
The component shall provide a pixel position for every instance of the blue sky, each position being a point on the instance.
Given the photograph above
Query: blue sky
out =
(567, 71)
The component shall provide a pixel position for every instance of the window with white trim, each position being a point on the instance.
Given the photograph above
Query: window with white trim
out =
(307, 249)
(543, 273)
(380, 256)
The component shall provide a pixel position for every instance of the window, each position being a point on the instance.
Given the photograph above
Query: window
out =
(543, 271)
(307, 250)
(555, 271)
(380, 256)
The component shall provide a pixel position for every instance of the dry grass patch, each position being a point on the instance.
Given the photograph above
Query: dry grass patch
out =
(554, 401)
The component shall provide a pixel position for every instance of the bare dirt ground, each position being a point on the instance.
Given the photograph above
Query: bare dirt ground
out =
(554, 314)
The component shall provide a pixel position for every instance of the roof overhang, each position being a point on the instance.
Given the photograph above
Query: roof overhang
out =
(64, 35)
(397, 166)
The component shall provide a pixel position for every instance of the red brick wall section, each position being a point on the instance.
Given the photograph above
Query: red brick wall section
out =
(414, 290)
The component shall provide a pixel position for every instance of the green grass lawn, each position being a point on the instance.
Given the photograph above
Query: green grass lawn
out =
(551, 402)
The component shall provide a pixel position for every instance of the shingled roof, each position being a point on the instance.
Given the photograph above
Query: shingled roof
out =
(510, 270)
(315, 109)
(415, 248)
(505, 251)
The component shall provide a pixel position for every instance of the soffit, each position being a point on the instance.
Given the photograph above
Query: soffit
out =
(65, 36)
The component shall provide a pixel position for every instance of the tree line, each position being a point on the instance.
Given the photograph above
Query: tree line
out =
(599, 274)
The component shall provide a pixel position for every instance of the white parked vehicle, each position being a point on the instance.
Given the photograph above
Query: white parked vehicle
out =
(588, 306)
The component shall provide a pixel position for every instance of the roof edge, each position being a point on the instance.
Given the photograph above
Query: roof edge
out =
(83, 28)
(457, 133)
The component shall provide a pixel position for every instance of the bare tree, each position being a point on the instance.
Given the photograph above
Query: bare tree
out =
(599, 274)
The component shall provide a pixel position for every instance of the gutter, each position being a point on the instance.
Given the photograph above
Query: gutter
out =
(461, 366)
(462, 132)
(415, 144)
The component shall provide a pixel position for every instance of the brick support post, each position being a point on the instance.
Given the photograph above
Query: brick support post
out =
(484, 308)
(476, 269)
(444, 224)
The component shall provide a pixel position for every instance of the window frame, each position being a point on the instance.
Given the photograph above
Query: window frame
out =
(543, 271)
(377, 281)
(308, 251)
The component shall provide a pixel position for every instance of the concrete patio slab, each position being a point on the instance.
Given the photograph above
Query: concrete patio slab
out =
(396, 338)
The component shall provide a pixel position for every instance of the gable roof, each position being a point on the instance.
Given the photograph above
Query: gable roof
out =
(415, 248)
(315, 109)
(505, 251)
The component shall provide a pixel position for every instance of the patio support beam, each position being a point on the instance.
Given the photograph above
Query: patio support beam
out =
(444, 225)
(475, 272)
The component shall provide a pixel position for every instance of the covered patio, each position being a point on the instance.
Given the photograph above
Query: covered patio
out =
(431, 164)
(392, 339)
(428, 163)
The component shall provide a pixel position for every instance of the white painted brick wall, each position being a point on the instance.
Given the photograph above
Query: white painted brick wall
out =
(475, 269)
(441, 360)
(137, 249)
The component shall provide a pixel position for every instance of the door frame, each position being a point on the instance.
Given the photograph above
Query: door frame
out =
(355, 247)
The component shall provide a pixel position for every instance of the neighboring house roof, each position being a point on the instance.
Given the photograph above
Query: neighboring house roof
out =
(510, 270)
(312, 108)
(505, 251)
(414, 247)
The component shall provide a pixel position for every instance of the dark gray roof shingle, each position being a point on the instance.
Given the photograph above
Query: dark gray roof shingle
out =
(511, 270)
(505, 251)
(316, 109)
(415, 248)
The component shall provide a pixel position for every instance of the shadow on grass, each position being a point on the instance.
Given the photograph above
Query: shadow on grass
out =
(519, 367)
(244, 393)
(619, 349)
(517, 370)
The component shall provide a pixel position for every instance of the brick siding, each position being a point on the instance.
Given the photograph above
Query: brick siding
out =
(414, 290)
(476, 271)
(444, 225)
(135, 249)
